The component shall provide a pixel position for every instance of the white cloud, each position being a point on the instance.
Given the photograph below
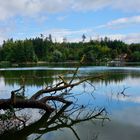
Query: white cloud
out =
(33, 7)
(121, 22)
(76, 35)
(41, 8)
(71, 35)
(128, 38)
(90, 4)
(30, 7)
(125, 5)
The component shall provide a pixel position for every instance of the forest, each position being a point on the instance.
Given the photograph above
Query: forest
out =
(44, 49)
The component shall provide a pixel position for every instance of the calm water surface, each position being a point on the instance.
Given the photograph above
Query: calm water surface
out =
(123, 111)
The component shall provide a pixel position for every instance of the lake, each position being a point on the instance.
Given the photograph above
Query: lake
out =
(123, 108)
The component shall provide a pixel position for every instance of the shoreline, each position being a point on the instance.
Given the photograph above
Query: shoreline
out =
(39, 63)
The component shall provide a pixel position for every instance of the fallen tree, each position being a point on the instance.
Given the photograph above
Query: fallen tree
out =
(64, 118)
(37, 101)
(50, 99)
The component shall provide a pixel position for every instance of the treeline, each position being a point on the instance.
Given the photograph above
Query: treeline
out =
(40, 49)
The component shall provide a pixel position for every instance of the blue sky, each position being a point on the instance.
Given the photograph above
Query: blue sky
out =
(20, 19)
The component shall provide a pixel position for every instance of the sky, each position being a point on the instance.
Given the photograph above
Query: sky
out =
(116, 19)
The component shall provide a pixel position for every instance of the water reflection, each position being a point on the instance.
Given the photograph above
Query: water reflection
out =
(123, 112)
(66, 117)
(34, 77)
(39, 76)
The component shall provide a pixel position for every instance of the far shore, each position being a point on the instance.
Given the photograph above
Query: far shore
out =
(7, 63)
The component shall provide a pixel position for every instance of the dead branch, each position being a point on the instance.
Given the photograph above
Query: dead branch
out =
(8, 103)
(61, 87)
(56, 93)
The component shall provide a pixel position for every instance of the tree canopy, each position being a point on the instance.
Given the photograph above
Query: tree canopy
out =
(44, 49)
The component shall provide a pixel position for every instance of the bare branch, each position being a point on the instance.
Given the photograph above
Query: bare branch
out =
(59, 88)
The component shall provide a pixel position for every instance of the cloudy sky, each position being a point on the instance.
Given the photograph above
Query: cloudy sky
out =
(117, 19)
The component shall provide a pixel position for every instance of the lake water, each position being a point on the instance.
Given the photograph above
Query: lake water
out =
(123, 111)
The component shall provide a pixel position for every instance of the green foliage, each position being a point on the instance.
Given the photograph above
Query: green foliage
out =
(57, 56)
(135, 56)
(44, 49)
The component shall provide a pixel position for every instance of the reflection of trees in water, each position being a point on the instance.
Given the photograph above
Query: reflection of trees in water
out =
(32, 77)
(67, 117)
(116, 76)
(40, 77)
(54, 100)
(64, 116)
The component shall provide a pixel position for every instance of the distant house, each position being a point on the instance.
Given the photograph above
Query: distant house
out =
(119, 60)
(122, 57)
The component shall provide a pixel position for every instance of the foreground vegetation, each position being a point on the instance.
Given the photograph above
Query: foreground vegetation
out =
(44, 49)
